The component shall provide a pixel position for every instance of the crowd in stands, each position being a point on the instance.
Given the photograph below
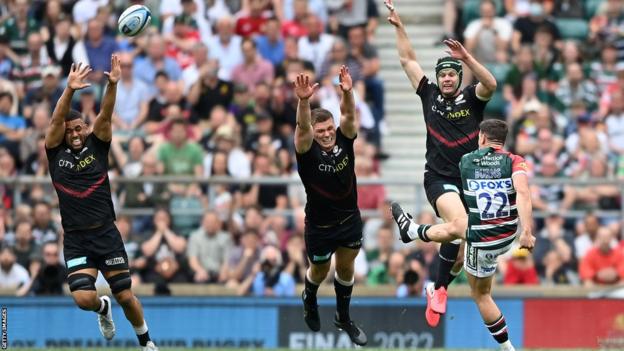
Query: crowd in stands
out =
(205, 91)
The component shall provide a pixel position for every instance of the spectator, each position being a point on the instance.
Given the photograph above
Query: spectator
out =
(131, 105)
(586, 235)
(379, 257)
(99, 48)
(26, 249)
(180, 156)
(296, 25)
(370, 197)
(50, 278)
(615, 125)
(482, 32)
(146, 194)
(603, 264)
(243, 258)
(547, 143)
(315, 46)
(12, 127)
(605, 25)
(606, 98)
(239, 165)
(27, 71)
(271, 44)
(271, 279)
(251, 24)
(225, 46)
(61, 46)
(12, 275)
(254, 69)
(136, 261)
(146, 68)
(190, 74)
(129, 163)
(354, 13)
(209, 92)
(602, 196)
(317, 7)
(554, 255)
(552, 197)
(208, 249)
(522, 67)
(604, 70)
(295, 262)
(183, 39)
(266, 196)
(574, 87)
(40, 121)
(48, 93)
(340, 56)
(192, 9)
(85, 10)
(17, 28)
(373, 226)
(164, 251)
(413, 282)
(520, 269)
(43, 228)
(525, 27)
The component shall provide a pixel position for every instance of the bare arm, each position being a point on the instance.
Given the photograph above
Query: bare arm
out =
(303, 131)
(103, 127)
(407, 56)
(151, 245)
(176, 242)
(75, 81)
(348, 122)
(525, 210)
(487, 82)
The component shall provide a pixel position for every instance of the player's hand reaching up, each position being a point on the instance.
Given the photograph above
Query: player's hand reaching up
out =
(77, 76)
(346, 83)
(115, 73)
(393, 18)
(456, 49)
(303, 89)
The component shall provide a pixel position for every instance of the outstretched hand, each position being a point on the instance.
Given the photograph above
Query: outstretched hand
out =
(77, 76)
(346, 83)
(115, 73)
(527, 240)
(393, 18)
(303, 89)
(456, 49)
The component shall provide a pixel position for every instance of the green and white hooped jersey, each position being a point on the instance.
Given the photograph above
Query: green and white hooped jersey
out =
(490, 195)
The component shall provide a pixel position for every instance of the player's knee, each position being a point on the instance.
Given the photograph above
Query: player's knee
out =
(481, 292)
(345, 273)
(125, 298)
(319, 272)
(120, 282)
(81, 282)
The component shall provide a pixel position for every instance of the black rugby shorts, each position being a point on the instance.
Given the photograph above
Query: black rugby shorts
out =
(322, 242)
(100, 248)
(436, 185)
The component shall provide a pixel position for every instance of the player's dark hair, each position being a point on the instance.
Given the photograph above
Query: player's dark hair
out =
(495, 130)
(72, 115)
(320, 115)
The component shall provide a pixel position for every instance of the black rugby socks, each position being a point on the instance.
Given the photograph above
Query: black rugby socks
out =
(498, 329)
(142, 334)
(343, 297)
(448, 256)
(310, 290)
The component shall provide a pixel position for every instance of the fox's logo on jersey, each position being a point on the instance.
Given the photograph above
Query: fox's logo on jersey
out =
(493, 184)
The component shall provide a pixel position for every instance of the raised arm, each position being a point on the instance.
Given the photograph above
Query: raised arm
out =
(103, 127)
(406, 52)
(525, 210)
(303, 131)
(348, 121)
(75, 81)
(487, 82)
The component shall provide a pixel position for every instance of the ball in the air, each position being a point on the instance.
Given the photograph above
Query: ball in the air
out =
(134, 20)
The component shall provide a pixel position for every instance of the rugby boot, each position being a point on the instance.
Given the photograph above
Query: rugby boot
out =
(403, 220)
(356, 334)
(438, 302)
(311, 314)
(433, 318)
(150, 346)
(107, 326)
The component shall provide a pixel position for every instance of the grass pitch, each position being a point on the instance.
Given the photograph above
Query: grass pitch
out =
(240, 349)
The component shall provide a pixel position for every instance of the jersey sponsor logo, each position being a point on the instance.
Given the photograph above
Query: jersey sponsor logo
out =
(79, 165)
(490, 184)
(76, 262)
(323, 167)
(458, 114)
(115, 261)
(460, 99)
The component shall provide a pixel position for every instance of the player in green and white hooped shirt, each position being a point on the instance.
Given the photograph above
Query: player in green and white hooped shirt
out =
(497, 192)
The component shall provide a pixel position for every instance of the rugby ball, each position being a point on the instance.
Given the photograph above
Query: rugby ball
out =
(134, 20)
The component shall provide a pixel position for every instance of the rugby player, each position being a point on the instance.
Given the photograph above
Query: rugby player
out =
(452, 117)
(78, 163)
(496, 189)
(332, 223)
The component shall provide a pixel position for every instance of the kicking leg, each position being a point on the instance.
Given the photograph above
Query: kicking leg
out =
(314, 277)
(492, 316)
(120, 284)
(82, 286)
(343, 285)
